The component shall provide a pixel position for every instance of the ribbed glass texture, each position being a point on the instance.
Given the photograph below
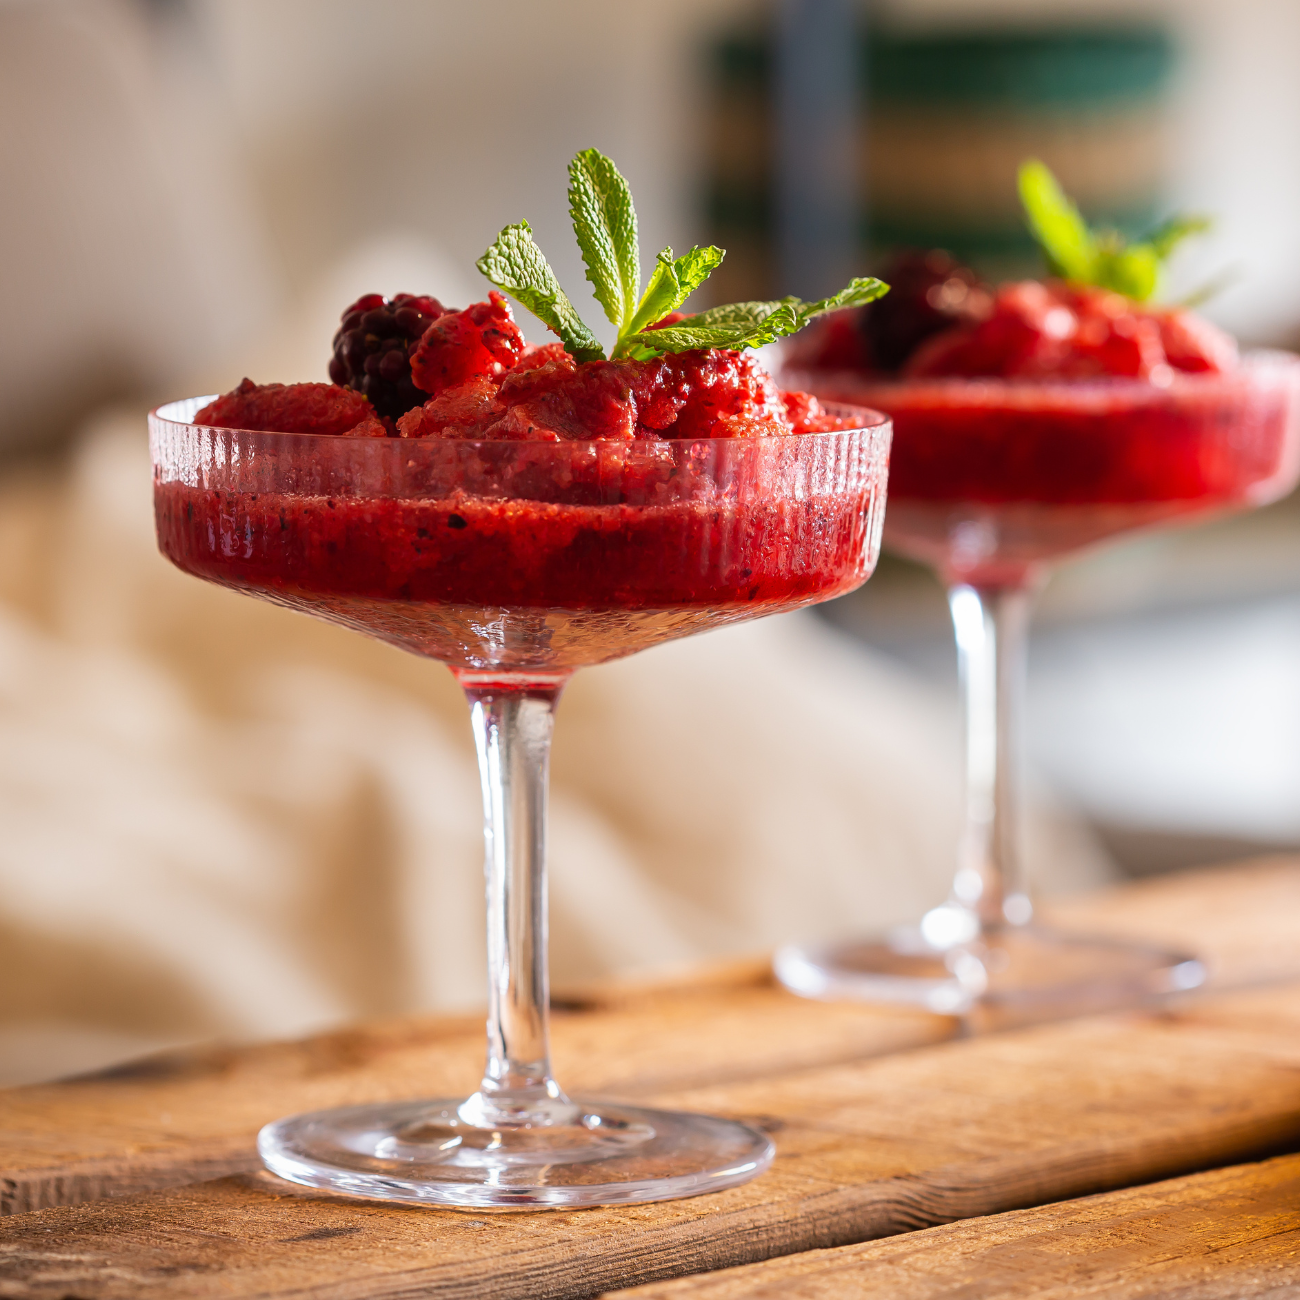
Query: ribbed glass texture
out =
(990, 478)
(521, 556)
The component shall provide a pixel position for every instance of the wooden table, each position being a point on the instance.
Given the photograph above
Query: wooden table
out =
(142, 1181)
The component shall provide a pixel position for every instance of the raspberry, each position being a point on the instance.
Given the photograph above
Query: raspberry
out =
(807, 415)
(1193, 344)
(536, 355)
(289, 408)
(1063, 331)
(720, 395)
(461, 412)
(374, 346)
(481, 340)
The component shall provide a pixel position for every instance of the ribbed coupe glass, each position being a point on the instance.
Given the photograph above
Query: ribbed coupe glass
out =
(991, 480)
(516, 563)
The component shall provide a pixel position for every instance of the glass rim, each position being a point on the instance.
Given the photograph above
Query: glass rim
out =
(879, 421)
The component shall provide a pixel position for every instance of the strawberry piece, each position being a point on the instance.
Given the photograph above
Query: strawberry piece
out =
(288, 408)
(1193, 344)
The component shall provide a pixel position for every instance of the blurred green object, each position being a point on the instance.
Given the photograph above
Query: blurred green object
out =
(1080, 68)
(950, 115)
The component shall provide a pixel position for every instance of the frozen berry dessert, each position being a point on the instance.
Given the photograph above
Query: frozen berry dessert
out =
(455, 476)
(1036, 418)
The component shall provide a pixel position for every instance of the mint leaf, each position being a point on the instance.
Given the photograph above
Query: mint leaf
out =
(604, 222)
(1169, 234)
(517, 266)
(1133, 270)
(857, 293)
(1103, 258)
(1056, 224)
(751, 324)
(671, 282)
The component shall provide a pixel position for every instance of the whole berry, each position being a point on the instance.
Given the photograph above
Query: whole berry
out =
(929, 292)
(374, 345)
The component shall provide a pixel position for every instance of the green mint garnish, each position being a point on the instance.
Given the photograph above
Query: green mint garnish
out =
(516, 265)
(672, 281)
(604, 221)
(750, 324)
(1104, 258)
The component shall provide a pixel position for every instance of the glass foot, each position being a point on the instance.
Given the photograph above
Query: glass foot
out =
(1012, 976)
(601, 1153)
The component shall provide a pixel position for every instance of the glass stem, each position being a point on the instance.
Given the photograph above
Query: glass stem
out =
(512, 732)
(991, 626)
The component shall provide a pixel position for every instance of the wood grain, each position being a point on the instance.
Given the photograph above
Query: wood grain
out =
(1243, 918)
(187, 1116)
(865, 1150)
(1225, 1235)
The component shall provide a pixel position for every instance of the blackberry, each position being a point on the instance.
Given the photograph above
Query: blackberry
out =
(928, 292)
(374, 345)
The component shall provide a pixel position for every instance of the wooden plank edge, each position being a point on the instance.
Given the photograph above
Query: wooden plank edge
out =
(1232, 1232)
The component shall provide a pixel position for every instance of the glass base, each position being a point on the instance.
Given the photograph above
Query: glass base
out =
(599, 1153)
(1015, 975)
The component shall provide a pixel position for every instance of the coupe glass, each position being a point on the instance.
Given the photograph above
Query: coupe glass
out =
(992, 480)
(516, 563)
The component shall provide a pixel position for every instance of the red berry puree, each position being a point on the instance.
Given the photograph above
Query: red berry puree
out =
(525, 512)
(1043, 417)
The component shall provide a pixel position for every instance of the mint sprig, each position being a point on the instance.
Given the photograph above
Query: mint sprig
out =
(751, 324)
(604, 222)
(1104, 258)
(672, 281)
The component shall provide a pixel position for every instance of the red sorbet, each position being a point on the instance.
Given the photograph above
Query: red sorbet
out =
(989, 477)
(622, 501)
(440, 546)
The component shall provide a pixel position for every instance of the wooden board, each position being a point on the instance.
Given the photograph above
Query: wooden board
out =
(865, 1150)
(183, 1117)
(1225, 1235)
(1243, 919)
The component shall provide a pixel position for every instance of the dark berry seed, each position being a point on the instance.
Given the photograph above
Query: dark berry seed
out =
(373, 362)
(376, 322)
(392, 365)
(457, 521)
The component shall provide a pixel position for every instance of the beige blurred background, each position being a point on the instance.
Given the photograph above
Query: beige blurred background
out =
(221, 819)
